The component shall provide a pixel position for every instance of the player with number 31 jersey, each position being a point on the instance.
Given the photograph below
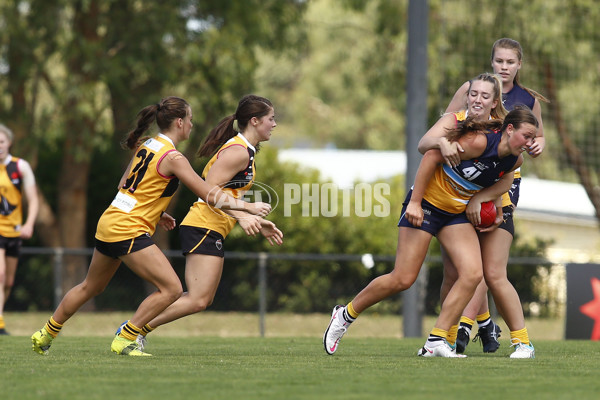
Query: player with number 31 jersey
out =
(143, 198)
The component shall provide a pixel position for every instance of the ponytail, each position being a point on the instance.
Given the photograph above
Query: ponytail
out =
(164, 113)
(218, 136)
(145, 118)
(250, 106)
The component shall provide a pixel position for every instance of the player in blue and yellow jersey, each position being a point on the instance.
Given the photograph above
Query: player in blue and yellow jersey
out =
(124, 230)
(232, 146)
(506, 60)
(484, 101)
(484, 173)
(16, 178)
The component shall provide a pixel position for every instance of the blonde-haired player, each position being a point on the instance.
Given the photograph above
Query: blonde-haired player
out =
(506, 60)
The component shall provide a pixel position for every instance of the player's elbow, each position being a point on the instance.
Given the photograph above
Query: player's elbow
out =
(213, 196)
(433, 155)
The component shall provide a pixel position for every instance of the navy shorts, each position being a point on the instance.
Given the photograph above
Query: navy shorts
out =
(434, 219)
(124, 247)
(196, 240)
(12, 245)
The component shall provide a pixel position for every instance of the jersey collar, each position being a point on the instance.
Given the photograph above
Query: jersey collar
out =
(166, 138)
(247, 142)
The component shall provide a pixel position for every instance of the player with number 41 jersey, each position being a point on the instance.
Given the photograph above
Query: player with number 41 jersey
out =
(451, 188)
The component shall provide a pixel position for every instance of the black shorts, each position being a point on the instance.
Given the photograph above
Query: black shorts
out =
(508, 223)
(201, 241)
(124, 247)
(513, 193)
(12, 245)
(434, 219)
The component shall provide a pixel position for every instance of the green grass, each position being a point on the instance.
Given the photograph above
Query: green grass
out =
(236, 324)
(209, 367)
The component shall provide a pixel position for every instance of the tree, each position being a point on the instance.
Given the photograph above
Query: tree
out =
(548, 31)
(327, 94)
(560, 42)
(78, 71)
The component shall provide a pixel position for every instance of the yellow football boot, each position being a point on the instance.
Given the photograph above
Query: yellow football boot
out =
(125, 347)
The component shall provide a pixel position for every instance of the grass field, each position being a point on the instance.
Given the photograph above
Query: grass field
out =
(288, 364)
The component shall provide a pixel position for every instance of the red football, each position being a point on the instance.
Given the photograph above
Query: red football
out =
(488, 214)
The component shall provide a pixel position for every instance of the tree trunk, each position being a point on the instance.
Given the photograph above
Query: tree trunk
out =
(46, 225)
(81, 116)
(72, 208)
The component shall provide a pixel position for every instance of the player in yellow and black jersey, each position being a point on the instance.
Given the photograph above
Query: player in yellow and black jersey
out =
(124, 230)
(232, 146)
(16, 179)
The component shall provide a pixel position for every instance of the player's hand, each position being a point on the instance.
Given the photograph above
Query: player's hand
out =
(451, 152)
(26, 232)
(414, 213)
(167, 222)
(251, 224)
(271, 233)
(535, 149)
(492, 227)
(473, 211)
(259, 208)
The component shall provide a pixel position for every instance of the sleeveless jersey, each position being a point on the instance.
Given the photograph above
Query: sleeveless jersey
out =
(450, 189)
(11, 205)
(461, 116)
(517, 96)
(201, 215)
(138, 205)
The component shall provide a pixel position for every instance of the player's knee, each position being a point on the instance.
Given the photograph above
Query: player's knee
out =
(477, 278)
(201, 304)
(472, 278)
(492, 278)
(173, 293)
(400, 282)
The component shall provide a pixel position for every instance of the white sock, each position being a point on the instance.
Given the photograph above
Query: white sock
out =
(484, 323)
(347, 316)
(434, 341)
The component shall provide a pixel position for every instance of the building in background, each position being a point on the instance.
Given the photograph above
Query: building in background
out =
(557, 211)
